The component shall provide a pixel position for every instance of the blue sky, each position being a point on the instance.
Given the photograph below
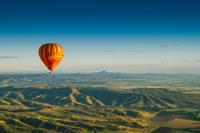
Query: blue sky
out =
(122, 35)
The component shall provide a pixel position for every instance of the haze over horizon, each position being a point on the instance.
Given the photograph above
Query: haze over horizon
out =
(118, 36)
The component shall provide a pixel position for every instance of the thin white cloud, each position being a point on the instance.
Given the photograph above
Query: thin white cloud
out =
(9, 57)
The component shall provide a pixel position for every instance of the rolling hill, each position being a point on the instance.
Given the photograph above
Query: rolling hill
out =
(31, 105)
(148, 98)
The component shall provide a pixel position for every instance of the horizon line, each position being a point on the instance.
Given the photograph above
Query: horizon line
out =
(96, 72)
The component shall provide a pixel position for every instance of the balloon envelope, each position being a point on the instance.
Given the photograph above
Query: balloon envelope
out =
(51, 55)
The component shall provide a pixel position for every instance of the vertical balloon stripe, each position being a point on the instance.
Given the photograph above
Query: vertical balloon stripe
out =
(44, 55)
(59, 50)
(49, 48)
(54, 49)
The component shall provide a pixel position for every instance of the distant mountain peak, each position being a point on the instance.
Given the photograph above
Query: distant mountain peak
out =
(103, 72)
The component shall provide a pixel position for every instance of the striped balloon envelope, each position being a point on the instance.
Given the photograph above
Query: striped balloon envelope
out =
(51, 55)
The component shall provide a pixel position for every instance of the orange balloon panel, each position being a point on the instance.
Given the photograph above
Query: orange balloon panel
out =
(51, 54)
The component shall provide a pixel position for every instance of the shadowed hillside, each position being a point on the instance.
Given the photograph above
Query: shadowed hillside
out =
(145, 98)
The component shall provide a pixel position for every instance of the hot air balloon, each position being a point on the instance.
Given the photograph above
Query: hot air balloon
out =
(51, 55)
